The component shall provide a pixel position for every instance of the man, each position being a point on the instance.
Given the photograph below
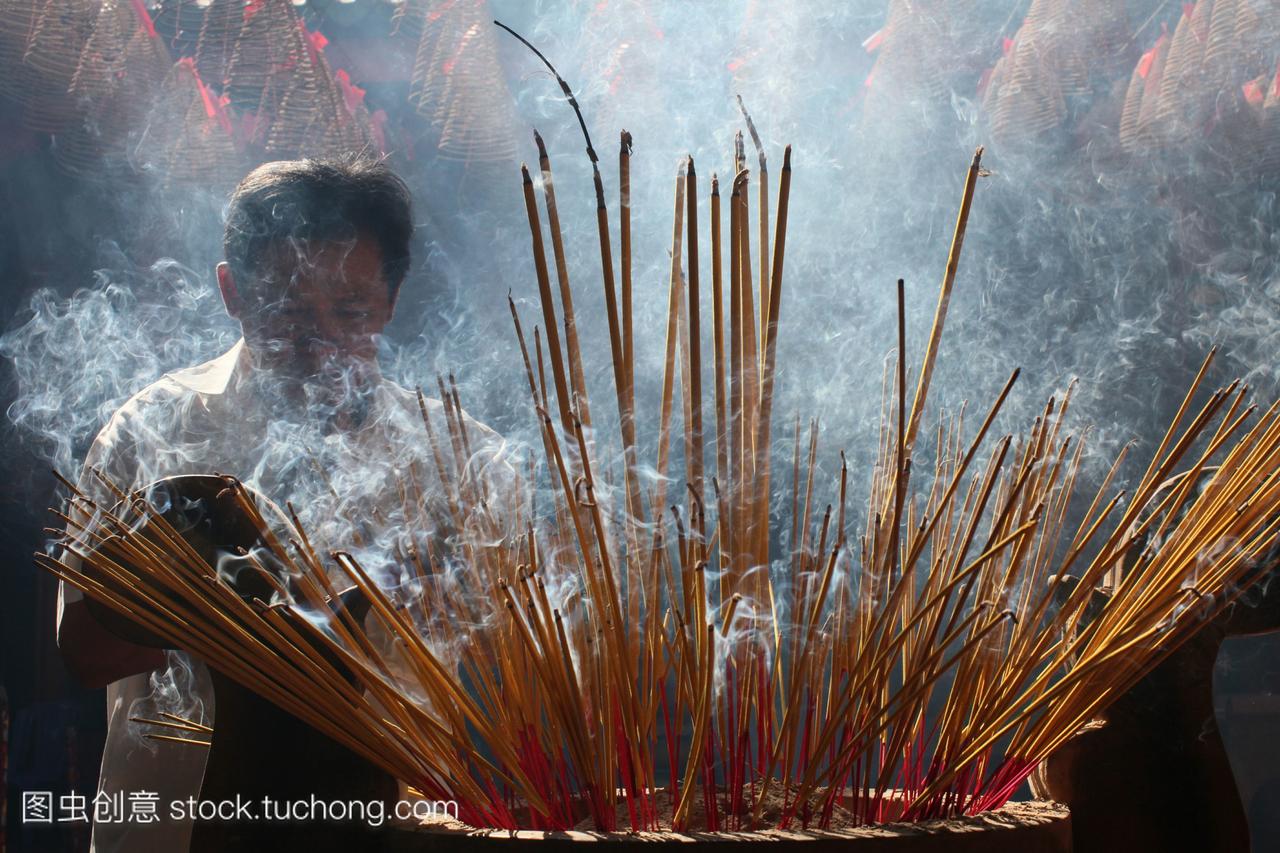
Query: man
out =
(315, 253)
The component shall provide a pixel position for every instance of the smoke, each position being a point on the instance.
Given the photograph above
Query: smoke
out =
(1071, 267)
(1079, 263)
(77, 360)
(180, 689)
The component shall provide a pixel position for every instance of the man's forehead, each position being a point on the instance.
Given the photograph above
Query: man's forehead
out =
(343, 265)
(330, 254)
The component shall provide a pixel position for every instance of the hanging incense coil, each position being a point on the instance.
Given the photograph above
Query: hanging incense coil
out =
(1030, 101)
(990, 88)
(312, 119)
(351, 96)
(188, 138)
(458, 82)
(278, 81)
(320, 128)
(1173, 99)
(179, 22)
(1142, 97)
(1108, 37)
(1241, 45)
(914, 37)
(1130, 110)
(1146, 130)
(1208, 85)
(1221, 62)
(1255, 32)
(1199, 27)
(268, 50)
(922, 46)
(222, 22)
(1054, 57)
(58, 36)
(16, 26)
(1240, 62)
(102, 64)
(119, 73)
(1057, 41)
(1188, 90)
(421, 21)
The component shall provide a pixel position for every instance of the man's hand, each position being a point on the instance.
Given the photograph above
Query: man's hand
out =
(95, 656)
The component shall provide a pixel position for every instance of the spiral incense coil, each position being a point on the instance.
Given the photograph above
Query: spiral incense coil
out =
(115, 82)
(1110, 34)
(1048, 61)
(1221, 63)
(922, 45)
(1058, 39)
(1211, 83)
(102, 64)
(178, 22)
(1240, 64)
(221, 23)
(1256, 31)
(1241, 43)
(311, 118)
(106, 129)
(1030, 101)
(992, 85)
(188, 137)
(425, 21)
(1185, 94)
(1147, 132)
(915, 37)
(58, 36)
(1053, 57)
(1130, 110)
(458, 82)
(352, 97)
(268, 52)
(1177, 95)
(16, 27)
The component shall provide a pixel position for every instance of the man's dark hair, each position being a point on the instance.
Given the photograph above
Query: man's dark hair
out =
(319, 200)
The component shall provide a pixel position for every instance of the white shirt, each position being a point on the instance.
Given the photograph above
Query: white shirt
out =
(346, 485)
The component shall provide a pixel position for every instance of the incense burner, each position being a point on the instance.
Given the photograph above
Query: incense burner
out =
(1024, 827)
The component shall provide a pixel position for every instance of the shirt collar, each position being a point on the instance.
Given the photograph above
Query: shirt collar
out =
(227, 377)
(214, 377)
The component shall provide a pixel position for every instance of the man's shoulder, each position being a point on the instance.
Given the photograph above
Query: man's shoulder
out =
(150, 408)
(159, 398)
(157, 414)
(184, 384)
(421, 411)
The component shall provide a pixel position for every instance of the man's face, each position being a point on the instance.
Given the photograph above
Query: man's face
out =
(315, 307)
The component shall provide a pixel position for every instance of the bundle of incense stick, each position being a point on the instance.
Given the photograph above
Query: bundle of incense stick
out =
(632, 662)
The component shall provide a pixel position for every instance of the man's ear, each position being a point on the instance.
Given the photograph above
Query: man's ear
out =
(231, 297)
